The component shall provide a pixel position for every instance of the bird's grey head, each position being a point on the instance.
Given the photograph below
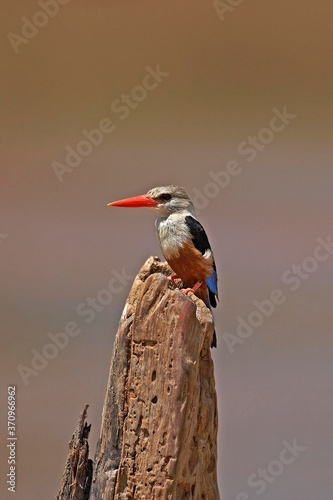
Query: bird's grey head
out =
(171, 199)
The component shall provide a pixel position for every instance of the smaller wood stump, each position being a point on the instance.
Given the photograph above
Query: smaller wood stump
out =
(76, 480)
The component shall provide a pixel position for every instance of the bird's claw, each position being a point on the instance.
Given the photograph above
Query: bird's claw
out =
(185, 291)
(172, 277)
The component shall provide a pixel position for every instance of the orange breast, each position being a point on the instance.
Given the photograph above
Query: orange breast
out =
(190, 265)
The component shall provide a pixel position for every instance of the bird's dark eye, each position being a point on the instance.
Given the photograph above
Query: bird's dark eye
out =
(165, 197)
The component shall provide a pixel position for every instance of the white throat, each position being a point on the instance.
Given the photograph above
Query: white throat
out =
(172, 232)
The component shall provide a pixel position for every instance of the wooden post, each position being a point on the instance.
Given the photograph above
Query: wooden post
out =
(158, 436)
(159, 425)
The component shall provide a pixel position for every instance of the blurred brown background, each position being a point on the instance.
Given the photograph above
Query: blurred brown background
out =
(60, 243)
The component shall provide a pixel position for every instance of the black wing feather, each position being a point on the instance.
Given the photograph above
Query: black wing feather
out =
(200, 241)
(199, 236)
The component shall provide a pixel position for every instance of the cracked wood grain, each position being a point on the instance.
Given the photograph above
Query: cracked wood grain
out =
(76, 480)
(158, 436)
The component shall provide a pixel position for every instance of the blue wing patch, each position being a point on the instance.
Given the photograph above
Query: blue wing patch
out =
(212, 282)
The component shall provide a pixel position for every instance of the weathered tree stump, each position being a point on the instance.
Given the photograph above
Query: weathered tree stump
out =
(76, 480)
(159, 426)
(158, 436)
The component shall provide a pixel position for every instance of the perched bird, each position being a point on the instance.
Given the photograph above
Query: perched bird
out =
(182, 238)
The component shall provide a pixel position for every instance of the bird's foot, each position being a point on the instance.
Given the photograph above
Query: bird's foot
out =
(198, 284)
(172, 277)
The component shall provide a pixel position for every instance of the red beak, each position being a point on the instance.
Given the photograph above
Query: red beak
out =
(136, 201)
